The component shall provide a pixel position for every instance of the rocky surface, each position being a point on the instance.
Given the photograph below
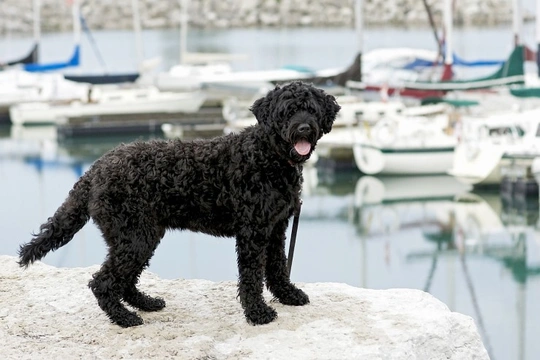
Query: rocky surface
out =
(16, 15)
(49, 313)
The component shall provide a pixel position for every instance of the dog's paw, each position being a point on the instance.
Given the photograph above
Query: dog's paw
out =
(128, 320)
(153, 304)
(144, 302)
(294, 297)
(260, 315)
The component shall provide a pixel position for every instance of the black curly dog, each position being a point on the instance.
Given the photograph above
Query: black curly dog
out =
(244, 185)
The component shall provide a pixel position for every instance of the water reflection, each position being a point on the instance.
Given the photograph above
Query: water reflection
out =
(477, 252)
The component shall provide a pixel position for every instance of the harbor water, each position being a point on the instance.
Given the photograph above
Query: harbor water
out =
(479, 253)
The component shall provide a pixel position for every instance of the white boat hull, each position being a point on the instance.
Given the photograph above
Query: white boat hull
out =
(494, 177)
(496, 146)
(411, 161)
(483, 164)
(39, 113)
(396, 144)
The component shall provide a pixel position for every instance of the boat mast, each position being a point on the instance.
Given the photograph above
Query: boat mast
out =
(358, 22)
(37, 27)
(517, 22)
(448, 32)
(76, 13)
(433, 28)
(137, 29)
(183, 29)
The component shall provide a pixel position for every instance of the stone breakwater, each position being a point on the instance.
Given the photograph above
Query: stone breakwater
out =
(16, 15)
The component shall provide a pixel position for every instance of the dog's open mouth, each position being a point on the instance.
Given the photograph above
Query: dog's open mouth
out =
(302, 147)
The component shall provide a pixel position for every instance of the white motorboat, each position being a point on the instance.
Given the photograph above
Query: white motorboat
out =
(108, 101)
(399, 144)
(18, 86)
(423, 146)
(494, 143)
(424, 152)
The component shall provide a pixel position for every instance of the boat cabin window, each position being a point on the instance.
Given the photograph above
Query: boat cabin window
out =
(506, 130)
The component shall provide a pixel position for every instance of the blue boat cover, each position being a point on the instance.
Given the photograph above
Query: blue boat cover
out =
(74, 61)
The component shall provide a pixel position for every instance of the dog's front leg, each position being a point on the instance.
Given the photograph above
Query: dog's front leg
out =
(277, 275)
(251, 252)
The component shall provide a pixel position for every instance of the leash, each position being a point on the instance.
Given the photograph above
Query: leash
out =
(293, 238)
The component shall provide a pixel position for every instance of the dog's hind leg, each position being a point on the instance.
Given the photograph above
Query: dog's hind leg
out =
(108, 291)
(277, 276)
(129, 253)
(134, 296)
(250, 249)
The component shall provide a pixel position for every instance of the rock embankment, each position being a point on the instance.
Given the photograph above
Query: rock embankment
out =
(16, 15)
(49, 313)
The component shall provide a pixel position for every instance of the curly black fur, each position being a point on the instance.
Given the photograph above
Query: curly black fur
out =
(244, 185)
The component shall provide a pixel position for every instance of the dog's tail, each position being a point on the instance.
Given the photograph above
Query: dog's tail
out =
(59, 229)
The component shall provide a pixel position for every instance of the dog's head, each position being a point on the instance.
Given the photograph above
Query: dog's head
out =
(295, 116)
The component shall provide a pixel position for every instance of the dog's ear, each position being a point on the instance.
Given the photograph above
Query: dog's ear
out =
(330, 108)
(261, 107)
(260, 110)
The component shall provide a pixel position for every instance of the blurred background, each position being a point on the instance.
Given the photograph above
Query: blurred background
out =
(428, 179)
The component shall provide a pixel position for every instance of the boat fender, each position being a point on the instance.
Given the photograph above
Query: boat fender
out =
(367, 129)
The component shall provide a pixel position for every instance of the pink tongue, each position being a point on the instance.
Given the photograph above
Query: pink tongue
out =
(302, 147)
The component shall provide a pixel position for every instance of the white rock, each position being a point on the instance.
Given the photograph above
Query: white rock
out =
(49, 313)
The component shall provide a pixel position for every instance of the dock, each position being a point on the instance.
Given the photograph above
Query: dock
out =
(206, 118)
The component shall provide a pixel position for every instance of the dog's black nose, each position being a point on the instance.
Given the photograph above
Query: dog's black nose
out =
(303, 128)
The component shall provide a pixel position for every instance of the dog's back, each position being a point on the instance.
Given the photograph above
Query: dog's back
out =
(201, 185)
